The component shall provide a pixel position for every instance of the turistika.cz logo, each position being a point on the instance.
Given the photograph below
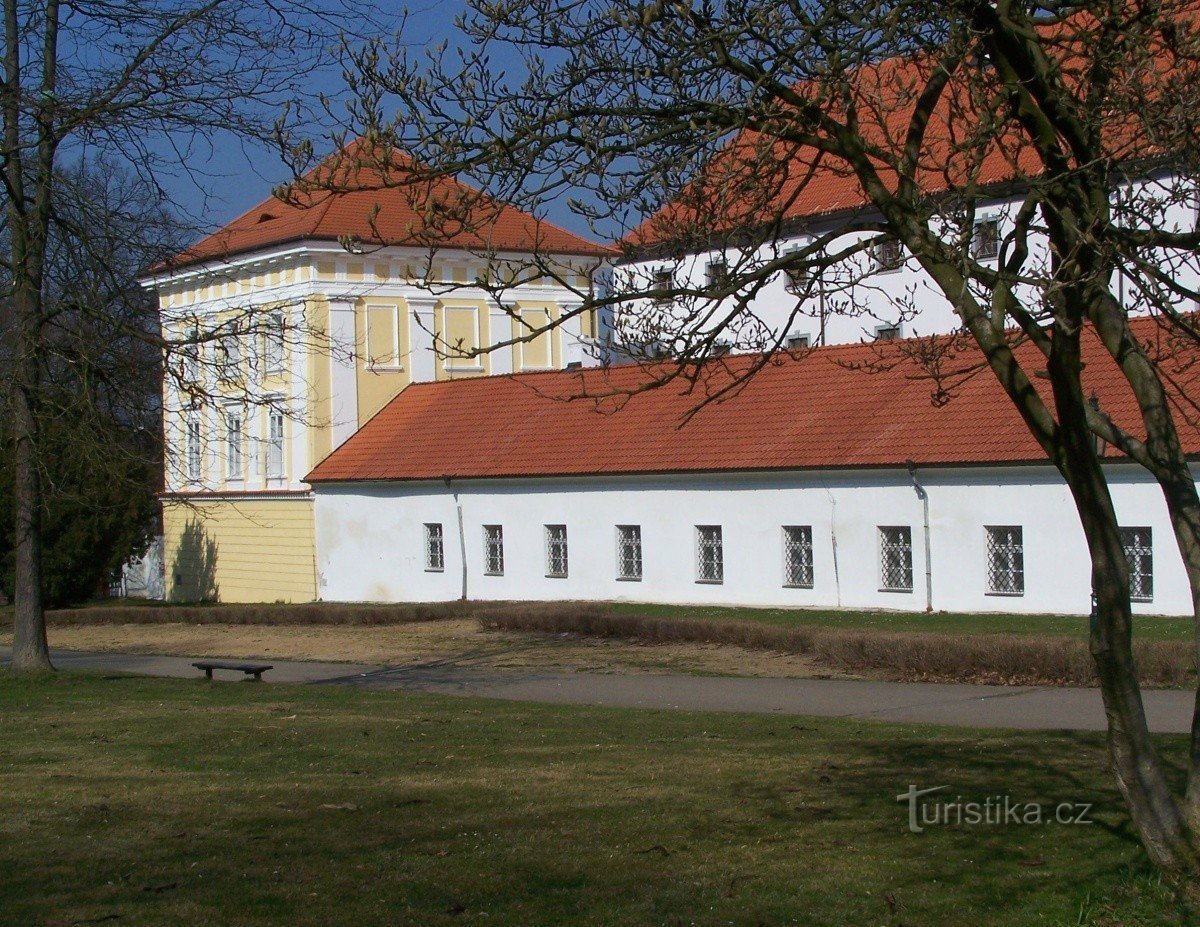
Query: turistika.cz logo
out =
(993, 811)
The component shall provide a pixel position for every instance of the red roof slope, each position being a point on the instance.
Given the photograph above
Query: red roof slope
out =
(353, 196)
(806, 412)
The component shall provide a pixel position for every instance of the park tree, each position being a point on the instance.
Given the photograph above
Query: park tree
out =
(154, 90)
(681, 126)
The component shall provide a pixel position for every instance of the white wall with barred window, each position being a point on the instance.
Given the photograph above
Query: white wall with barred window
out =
(371, 538)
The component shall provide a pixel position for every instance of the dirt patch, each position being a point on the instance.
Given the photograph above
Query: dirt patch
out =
(461, 641)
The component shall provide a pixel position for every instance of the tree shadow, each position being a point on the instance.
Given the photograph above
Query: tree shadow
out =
(194, 572)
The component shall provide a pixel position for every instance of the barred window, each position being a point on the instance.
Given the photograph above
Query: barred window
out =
(435, 551)
(710, 555)
(1006, 560)
(985, 239)
(887, 255)
(629, 552)
(798, 556)
(556, 550)
(895, 558)
(493, 550)
(1139, 551)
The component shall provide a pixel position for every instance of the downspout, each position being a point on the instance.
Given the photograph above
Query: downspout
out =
(924, 497)
(462, 536)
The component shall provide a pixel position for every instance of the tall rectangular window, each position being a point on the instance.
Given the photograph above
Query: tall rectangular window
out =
(273, 343)
(275, 445)
(798, 556)
(190, 351)
(1139, 551)
(629, 552)
(661, 282)
(710, 554)
(895, 558)
(435, 549)
(556, 550)
(194, 459)
(233, 444)
(229, 356)
(493, 550)
(1005, 560)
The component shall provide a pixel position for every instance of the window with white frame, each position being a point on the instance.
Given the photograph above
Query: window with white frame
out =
(662, 279)
(435, 548)
(233, 444)
(194, 459)
(1139, 551)
(191, 355)
(895, 558)
(1005, 560)
(985, 239)
(798, 556)
(556, 550)
(629, 552)
(797, 276)
(716, 274)
(275, 445)
(887, 255)
(493, 550)
(710, 554)
(229, 355)
(273, 343)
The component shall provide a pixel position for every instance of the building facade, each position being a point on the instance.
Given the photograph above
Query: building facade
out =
(289, 341)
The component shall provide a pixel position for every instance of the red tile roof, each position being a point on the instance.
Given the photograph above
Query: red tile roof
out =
(385, 205)
(813, 411)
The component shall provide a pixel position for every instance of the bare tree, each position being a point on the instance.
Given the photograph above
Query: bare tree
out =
(139, 85)
(719, 120)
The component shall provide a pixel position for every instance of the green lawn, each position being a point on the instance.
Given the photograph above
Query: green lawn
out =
(1154, 628)
(184, 803)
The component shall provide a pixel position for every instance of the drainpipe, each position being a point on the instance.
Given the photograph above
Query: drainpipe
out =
(462, 536)
(924, 497)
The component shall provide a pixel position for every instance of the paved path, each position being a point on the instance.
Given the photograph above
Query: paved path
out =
(909, 702)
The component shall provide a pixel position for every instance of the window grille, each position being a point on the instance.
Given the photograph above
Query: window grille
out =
(887, 254)
(1139, 551)
(710, 566)
(493, 550)
(193, 450)
(435, 551)
(895, 558)
(556, 550)
(1006, 560)
(233, 445)
(629, 552)
(275, 446)
(985, 239)
(798, 556)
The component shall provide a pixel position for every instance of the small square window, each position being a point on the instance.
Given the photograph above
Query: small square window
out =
(985, 239)
(710, 554)
(435, 550)
(1006, 560)
(1139, 551)
(493, 550)
(887, 255)
(716, 274)
(895, 558)
(629, 552)
(798, 556)
(556, 551)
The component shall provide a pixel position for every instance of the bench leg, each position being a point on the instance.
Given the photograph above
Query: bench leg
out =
(208, 672)
(258, 676)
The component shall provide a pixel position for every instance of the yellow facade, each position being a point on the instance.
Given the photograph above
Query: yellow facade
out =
(240, 550)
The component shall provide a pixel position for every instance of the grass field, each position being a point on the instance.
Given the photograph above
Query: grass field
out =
(137, 801)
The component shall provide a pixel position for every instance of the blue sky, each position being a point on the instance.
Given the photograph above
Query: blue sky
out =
(227, 177)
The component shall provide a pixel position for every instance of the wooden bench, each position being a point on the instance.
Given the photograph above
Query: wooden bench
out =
(250, 669)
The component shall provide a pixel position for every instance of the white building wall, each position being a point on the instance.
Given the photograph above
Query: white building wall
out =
(370, 538)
